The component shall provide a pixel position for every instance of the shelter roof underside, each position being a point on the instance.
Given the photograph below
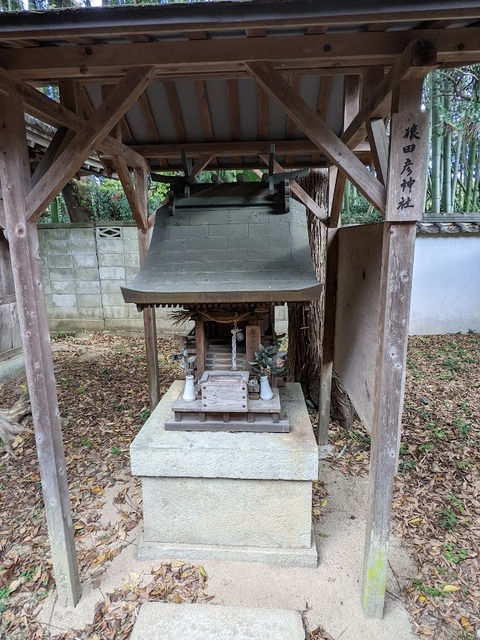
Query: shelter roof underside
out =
(202, 99)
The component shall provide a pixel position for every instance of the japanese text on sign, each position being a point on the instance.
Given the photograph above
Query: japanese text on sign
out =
(408, 172)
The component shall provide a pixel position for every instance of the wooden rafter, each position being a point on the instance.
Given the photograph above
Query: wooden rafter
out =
(323, 101)
(226, 149)
(148, 117)
(377, 135)
(223, 55)
(316, 129)
(204, 106)
(291, 128)
(175, 110)
(200, 165)
(372, 77)
(73, 156)
(84, 106)
(131, 192)
(59, 141)
(2, 216)
(262, 113)
(126, 132)
(234, 113)
(324, 96)
(415, 62)
(351, 103)
(51, 112)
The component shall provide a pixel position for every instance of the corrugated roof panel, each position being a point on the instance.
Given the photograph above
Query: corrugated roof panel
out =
(335, 113)
(95, 94)
(217, 99)
(161, 112)
(187, 95)
(137, 124)
(277, 121)
(309, 90)
(247, 98)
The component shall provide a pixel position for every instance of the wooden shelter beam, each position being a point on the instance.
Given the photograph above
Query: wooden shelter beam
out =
(3, 223)
(289, 52)
(200, 165)
(416, 61)
(399, 234)
(377, 136)
(149, 316)
(135, 199)
(40, 106)
(73, 156)
(317, 130)
(85, 107)
(60, 139)
(228, 149)
(32, 313)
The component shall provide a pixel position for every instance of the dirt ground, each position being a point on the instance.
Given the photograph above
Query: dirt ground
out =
(103, 402)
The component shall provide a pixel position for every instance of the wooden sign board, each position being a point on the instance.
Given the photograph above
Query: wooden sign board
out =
(356, 320)
(224, 391)
(407, 167)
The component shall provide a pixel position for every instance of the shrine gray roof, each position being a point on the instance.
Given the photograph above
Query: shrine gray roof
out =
(226, 255)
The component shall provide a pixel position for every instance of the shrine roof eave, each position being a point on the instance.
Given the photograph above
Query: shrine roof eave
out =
(157, 298)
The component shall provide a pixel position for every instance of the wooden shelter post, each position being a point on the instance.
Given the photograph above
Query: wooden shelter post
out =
(149, 316)
(336, 184)
(24, 250)
(405, 186)
(136, 192)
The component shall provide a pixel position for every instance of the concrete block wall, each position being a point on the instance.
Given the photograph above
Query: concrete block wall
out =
(84, 267)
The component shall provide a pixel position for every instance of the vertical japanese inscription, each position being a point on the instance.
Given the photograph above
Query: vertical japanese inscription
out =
(408, 164)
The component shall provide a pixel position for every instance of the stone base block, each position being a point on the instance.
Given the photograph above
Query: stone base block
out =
(244, 496)
(167, 621)
(223, 511)
(156, 551)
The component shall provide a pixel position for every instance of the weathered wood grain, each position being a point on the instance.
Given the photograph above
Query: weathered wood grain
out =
(24, 250)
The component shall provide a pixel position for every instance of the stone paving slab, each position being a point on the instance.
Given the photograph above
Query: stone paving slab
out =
(165, 621)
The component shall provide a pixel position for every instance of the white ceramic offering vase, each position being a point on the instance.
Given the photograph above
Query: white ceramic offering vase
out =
(266, 392)
(189, 390)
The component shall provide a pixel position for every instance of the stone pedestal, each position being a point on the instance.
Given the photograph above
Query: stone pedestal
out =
(227, 496)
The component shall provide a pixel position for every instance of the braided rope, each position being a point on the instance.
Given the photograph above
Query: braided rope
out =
(234, 332)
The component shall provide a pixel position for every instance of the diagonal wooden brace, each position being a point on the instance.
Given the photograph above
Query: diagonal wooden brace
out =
(74, 154)
(319, 132)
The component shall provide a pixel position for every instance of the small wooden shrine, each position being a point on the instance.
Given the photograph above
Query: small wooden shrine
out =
(227, 254)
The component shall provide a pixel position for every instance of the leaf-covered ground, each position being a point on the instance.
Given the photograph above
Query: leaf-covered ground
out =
(436, 502)
(103, 402)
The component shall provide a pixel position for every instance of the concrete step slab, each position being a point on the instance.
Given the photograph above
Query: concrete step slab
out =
(166, 621)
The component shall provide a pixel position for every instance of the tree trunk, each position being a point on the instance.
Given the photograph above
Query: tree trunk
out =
(305, 322)
(76, 211)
